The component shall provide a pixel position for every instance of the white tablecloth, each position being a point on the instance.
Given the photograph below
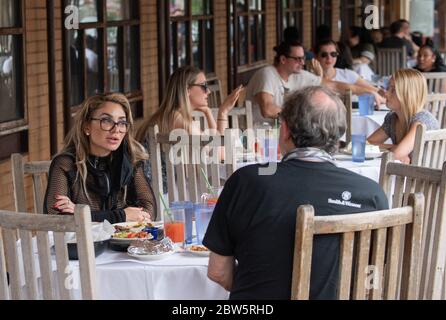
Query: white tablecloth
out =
(176, 277)
(368, 168)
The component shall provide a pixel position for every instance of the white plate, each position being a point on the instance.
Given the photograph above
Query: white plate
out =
(150, 257)
(196, 253)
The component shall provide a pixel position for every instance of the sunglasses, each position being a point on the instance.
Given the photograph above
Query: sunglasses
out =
(333, 54)
(203, 86)
(297, 59)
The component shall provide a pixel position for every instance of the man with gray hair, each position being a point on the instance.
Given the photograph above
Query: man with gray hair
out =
(255, 217)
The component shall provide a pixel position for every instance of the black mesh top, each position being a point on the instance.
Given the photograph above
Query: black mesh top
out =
(110, 189)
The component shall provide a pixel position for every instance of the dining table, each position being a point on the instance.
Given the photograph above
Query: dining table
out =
(179, 276)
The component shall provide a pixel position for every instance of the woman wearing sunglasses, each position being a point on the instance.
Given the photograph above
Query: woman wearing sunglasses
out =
(187, 91)
(101, 165)
(327, 54)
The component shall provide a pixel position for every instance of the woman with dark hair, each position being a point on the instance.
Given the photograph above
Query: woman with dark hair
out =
(345, 59)
(101, 165)
(327, 54)
(429, 60)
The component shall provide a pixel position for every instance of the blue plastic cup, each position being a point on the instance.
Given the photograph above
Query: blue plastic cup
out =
(189, 217)
(358, 147)
(203, 215)
(366, 104)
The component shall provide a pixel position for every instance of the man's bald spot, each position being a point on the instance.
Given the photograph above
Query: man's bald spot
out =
(322, 100)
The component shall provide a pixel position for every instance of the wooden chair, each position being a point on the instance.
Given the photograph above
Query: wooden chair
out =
(430, 148)
(442, 54)
(19, 261)
(398, 182)
(436, 104)
(39, 172)
(215, 98)
(185, 164)
(238, 118)
(390, 60)
(436, 82)
(378, 242)
(348, 102)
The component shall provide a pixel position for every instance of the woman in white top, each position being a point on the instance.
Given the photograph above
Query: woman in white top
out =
(327, 54)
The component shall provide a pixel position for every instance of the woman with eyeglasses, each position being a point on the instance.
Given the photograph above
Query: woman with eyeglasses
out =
(101, 165)
(327, 54)
(406, 98)
(187, 91)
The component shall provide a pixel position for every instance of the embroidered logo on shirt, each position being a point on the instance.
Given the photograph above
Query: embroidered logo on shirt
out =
(347, 196)
(345, 202)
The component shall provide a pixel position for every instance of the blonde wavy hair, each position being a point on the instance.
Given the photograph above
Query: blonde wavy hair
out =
(78, 141)
(411, 90)
(175, 101)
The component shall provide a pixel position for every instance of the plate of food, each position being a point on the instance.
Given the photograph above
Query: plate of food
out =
(127, 232)
(197, 250)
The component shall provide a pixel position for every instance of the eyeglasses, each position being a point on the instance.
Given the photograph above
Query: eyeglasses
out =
(333, 54)
(297, 59)
(203, 86)
(108, 124)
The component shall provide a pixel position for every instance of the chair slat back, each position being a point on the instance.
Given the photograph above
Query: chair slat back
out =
(348, 102)
(436, 82)
(390, 60)
(18, 259)
(398, 181)
(363, 242)
(38, 170)
(191, 162)
(215, 98)
(436, 104)
(429, 148)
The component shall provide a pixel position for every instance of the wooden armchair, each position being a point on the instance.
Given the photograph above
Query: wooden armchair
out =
(19, 261)
(436, 104)
(39, 173)
(436, 82)
(185, 164)
(390, 60)
(430, 148)
(367, 239)
(398, 182)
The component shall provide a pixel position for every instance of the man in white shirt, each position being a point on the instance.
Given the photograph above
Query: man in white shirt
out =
(269, 86)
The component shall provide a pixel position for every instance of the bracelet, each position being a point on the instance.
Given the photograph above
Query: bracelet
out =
(222, 119)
